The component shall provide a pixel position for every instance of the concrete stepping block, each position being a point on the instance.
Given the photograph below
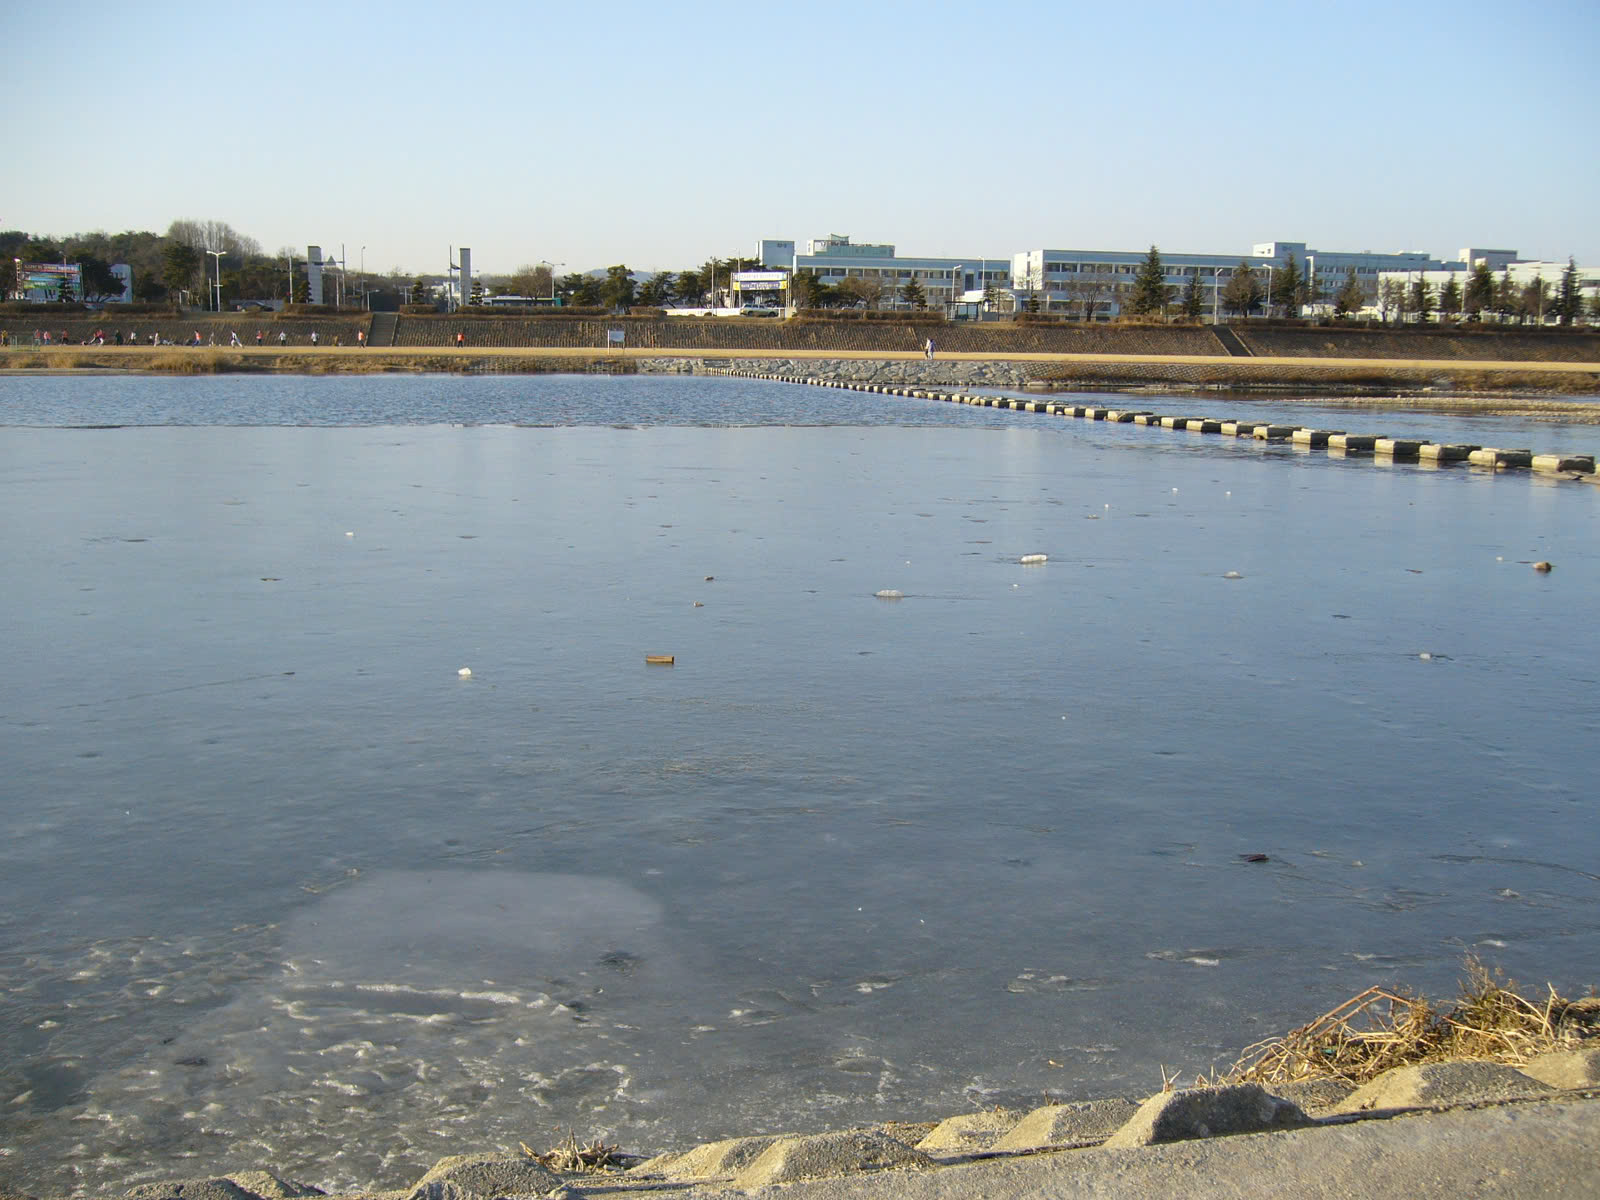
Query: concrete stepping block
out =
(1353, 441)
(970, 1132)
(1148, 419)
(709, 1159)
(1068, 1124)
(1446, 451)
(1207, 1112)
(486, 1175)
(1581, 464)
(1398, 447)
(1489, 456)
(1566, 1069)
(852, 1152)
(1440, 1085)
(1314, 1096)
(1313, 437)
(1274, 433)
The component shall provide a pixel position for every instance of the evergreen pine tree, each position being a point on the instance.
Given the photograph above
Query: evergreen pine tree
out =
(1450, 298)
(1569, 298)
(1352, 296)
(1507, 296)
(1290, 289)
(1194, 300)
(1149, 287)
(1480, 289)
(1420, 301)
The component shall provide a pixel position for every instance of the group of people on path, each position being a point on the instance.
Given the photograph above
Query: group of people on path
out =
(44, 337)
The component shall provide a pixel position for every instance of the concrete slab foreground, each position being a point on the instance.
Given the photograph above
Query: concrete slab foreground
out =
(1540, 1149)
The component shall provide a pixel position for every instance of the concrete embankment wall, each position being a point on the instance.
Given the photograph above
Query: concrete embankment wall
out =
(733, 335)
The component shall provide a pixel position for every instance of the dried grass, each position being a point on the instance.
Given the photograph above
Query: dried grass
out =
(1377, 1030)
(570, 1158)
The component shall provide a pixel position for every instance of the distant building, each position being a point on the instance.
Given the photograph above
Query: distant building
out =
(775, 254)
(1096, 282)
(943, 280)
(1064, 280)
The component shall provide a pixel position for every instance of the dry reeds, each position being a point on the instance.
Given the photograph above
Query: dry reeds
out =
(1377, 1030)
(569, 1157)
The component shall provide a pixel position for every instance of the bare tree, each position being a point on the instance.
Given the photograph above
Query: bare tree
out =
(1391, 298)
(1092, 293)
(858, 288)
(532, 281)
(213, 235)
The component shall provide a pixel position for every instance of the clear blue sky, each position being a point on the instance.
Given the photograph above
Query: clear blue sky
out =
(658, 134)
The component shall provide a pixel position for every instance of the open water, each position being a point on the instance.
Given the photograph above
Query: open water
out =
(280, 888)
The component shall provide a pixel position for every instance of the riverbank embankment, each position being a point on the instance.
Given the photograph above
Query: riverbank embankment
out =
(1017, 369)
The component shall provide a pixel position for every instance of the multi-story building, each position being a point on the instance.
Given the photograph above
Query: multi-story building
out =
(944, 281)
(1095, 282)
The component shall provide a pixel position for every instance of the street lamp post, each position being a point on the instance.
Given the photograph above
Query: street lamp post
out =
(217, 254)
(1270, 269)
(544, 262)
(363, 277)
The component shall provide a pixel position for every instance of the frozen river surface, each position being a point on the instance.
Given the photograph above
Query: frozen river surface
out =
(282, 889)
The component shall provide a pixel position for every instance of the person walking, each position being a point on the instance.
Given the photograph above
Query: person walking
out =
(927, 349)
(313, 337)
(283, 337)
(461, 339)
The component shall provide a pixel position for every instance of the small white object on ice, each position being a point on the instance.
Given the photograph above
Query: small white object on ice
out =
(890, 594)
(1425, 656)
(1232, 575)
(349, 533)
(465, 672)
(1029, 560)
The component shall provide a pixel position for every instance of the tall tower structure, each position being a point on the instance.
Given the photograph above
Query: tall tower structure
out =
(314, 274)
